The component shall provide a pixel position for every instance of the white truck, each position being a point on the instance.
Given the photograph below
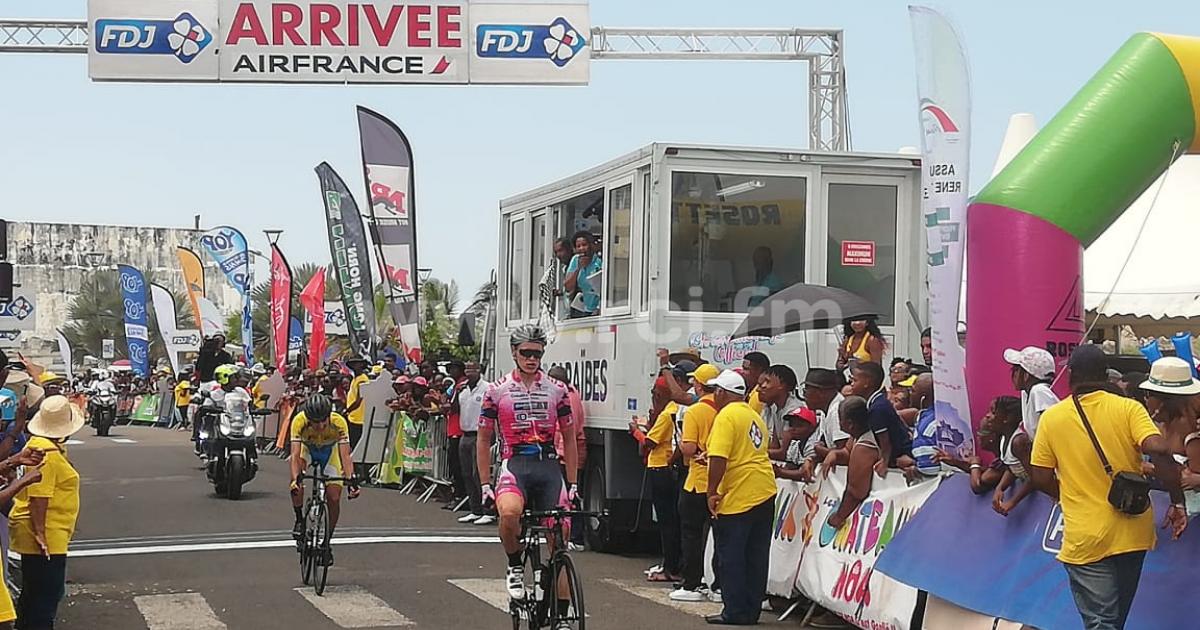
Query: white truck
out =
(689, 237)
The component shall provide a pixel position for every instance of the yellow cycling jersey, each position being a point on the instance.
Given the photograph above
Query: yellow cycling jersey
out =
(336, 431)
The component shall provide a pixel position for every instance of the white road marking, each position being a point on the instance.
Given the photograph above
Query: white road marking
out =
(177, 611)
(271, 544)
(490, 591)
(353, 607)
(75, 442)
(659, 595)
(123, 440)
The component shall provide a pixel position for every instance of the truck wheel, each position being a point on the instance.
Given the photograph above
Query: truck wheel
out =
(601, 535)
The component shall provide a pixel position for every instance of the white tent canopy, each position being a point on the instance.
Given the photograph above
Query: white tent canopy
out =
(1159, 280)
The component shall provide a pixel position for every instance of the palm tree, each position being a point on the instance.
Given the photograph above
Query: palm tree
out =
(97, 313)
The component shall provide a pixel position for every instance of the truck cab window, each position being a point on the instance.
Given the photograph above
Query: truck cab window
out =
(619, 246)
(516, 262)
(581, 219)
(735, 239)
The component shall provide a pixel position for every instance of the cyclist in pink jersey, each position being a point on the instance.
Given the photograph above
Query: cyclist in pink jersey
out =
(527, 409)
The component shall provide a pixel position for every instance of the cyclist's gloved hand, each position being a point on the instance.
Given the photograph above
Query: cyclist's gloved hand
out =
(295, 487)
(487, 494)
(573, 494)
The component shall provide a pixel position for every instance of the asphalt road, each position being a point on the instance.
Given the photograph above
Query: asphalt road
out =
(156, 549)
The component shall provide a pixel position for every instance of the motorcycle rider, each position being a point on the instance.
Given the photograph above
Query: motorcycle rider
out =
(226, 378)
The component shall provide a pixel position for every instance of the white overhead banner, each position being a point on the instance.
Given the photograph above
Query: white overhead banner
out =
(338, 41)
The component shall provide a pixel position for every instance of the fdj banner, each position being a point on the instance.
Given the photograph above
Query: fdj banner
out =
(835, 567)
(1021, 579)
(351, 259)
(339, 41)
(133, 296)
(228, 248)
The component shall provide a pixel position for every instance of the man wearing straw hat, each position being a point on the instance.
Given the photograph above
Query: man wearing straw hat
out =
(42, 520)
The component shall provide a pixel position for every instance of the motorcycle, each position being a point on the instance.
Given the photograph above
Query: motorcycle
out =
(102, 410)
(228, 438)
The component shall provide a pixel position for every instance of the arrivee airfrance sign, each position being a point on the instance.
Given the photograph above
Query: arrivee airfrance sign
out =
(338, 41)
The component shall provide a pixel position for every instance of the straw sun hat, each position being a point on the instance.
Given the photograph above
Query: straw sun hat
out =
(56, 419)
(1171, 375)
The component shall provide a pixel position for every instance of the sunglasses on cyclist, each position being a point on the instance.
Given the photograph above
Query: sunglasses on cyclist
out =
(531, 353)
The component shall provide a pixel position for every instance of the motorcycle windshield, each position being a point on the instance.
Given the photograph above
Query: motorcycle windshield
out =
(237, 410)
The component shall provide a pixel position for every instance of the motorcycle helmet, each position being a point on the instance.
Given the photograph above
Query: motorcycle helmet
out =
(225, 372)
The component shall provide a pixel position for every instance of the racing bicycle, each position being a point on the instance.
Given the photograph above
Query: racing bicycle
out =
(315, 536)
(539, 607)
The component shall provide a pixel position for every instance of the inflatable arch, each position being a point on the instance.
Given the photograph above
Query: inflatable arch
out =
(1027, 228)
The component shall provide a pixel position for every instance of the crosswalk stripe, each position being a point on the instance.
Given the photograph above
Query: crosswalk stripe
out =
(658, 595)
(177, 611)
(123, 440)
(491, 591)
(75, 442)
(354, 607)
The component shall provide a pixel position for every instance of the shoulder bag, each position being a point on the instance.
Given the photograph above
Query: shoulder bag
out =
(1129, 492)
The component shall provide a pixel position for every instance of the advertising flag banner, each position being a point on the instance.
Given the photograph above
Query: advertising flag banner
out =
(193, 279)
(351, 260)
(944, 90)
(64, 351)
(388, 170)
(228, 247)
(281, 305)
(295, 337)
(312, 298)
(164, 313)
(211, 321)
(133, 295)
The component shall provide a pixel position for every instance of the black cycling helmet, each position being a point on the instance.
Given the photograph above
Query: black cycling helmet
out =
(318, 408)
(527, 333)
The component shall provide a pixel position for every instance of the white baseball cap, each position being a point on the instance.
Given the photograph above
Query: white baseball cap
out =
(1037, 361)
(729, 381)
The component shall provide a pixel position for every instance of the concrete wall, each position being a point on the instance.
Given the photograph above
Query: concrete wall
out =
(53, 259)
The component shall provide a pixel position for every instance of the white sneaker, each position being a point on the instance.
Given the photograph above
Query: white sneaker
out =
(486, 519)
(469, 518)
(514, 581)
(685, 595)
(658, 568)
(574, 547)
(715, 597)
(564, 625)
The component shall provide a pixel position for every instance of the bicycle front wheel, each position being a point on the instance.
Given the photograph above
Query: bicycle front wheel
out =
(566, 579)
(321, 536)
(307, 554)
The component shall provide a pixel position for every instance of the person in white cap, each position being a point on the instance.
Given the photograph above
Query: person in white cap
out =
(1170, 389)
(42, 520)
(741, 499)
(1032, 373)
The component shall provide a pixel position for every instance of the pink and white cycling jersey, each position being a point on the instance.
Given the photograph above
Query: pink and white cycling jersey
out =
(523, 415)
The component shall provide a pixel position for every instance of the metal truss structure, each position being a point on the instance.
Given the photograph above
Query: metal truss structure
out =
(829, 127)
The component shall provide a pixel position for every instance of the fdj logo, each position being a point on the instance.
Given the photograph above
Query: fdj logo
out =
(559, 41)
(19, 308)
(184, 37)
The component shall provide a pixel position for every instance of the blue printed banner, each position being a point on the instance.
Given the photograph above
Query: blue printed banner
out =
(295, 335)
(960, 550)
(228, 248)
(133, 297)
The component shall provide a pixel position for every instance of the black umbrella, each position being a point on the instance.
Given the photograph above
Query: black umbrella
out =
(803, 307)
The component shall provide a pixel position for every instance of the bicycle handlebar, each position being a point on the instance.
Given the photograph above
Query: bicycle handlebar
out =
(561, 513)
(303, 475)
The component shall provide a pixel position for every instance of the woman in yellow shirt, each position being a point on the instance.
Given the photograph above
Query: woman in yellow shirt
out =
(42, 519)
(863, 343)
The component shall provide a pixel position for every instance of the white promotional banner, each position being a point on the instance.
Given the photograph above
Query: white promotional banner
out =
(19, 313)
(164, 312)
(837, 565)
(163, 40)
(211, 321)
(530, 43)
(787, 546)
(335, 319)
(186, 340)
(339, 41)
(108, 348)
(64, 351)
(944, 90)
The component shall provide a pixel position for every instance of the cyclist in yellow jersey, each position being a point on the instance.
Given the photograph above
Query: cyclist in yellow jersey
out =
(320, 436)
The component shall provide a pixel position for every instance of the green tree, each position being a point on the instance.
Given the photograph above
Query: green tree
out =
(97, 313)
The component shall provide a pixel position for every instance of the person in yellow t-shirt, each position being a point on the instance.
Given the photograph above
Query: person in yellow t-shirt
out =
(42, 520)
(183, 399)
(354, 400)
(659, 448)
(741, 498)
(693, 509)
(754, 364)
(1102, 548)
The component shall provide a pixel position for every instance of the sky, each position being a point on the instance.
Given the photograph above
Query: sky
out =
(142, 154)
